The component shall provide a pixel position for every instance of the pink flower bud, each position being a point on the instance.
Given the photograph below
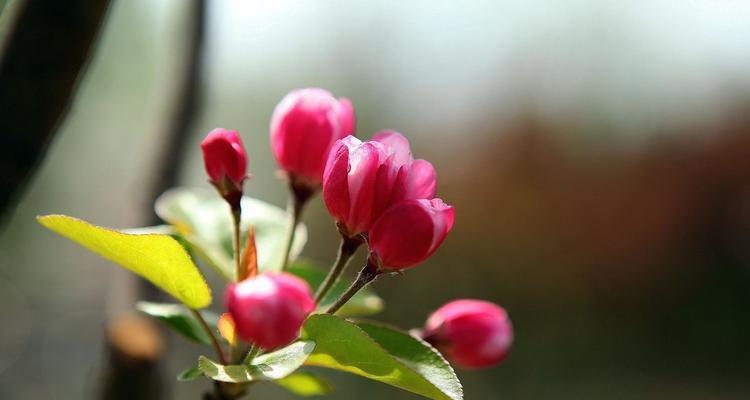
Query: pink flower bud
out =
(409, 232)
(304, 126)
(225, 159)
(470, 333)
(363, 179)
(269, 310)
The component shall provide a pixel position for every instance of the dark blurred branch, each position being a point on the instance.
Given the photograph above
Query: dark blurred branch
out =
(187, 103)
(124, 378)
(46, 52)
(134, 347)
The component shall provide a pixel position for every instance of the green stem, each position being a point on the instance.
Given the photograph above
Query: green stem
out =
(239, 274)
(237, 219)
(347, 248)
(295, 212)
(364, 278)
(214, 342)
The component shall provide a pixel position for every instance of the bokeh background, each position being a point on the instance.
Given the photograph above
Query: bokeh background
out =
(597, 154)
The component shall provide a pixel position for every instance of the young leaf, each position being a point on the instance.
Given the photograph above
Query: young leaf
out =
(190, 374)
(180, 319)
(249, 259)
(365, 302)
(305, 384)
(203, 218)
(411, 365)
(158, 258)
(269, 366)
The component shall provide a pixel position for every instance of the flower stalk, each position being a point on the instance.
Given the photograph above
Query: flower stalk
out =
(214, 341)
(301, 194)
(347, 248)
(366, 276)
(237, 220)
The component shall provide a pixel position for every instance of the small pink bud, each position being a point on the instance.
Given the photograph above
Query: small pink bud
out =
(409, 232)
(225, 159)
(269, 310)
(304, 126)
(470, 333)
(363, 179)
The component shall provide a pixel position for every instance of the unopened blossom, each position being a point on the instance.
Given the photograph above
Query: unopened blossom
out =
(470, 333)
(269, 310)
(225, 159)
(304, 126)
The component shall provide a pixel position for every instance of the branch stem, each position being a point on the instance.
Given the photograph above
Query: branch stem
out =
(368, 274)
(214, 342)
(347, 248)
(294, 210)
(237, 218)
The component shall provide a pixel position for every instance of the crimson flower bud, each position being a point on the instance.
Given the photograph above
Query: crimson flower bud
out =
(470, 333)
(363, 179)
(269, 310)
(409, 232)
(225, 160)
(304, 126)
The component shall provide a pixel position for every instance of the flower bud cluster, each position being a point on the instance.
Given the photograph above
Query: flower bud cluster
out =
(379, 194)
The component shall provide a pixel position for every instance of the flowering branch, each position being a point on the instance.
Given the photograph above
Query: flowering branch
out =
(377, 193)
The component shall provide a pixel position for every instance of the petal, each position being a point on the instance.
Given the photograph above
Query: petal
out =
(422, 181)
(402, 236)
(336, 182)
(385, 181)
(363, 168)
(397, 145)
(443, 217)
(317, 138)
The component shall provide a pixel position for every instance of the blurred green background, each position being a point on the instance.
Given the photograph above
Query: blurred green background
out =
(597, 155)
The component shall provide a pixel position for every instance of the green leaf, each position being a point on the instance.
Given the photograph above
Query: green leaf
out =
(204, 219)
(180, 319)
(305, 384)
(160, 229)
(190, 374)
(388, 356)
(158, 258)
(417, 355)
(365, 302)
(269, 366)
